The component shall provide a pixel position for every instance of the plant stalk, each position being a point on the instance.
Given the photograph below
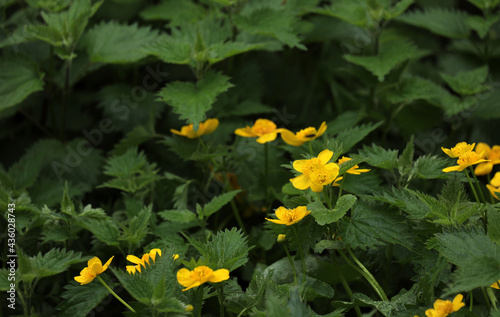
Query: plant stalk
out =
(114, 294)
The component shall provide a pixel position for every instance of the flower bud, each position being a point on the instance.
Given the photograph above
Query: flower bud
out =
(281, 238)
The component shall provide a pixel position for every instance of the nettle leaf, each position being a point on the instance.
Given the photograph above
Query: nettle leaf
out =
(371, 225)
(485, 4)
(405, 160)
(468, 83)
(134, 138)
(176, 12)
(218, 202)
(414, 88)
(228, 249)
(430, 167)
(270, 21)
(394, 10)
(137, 228)
(79, 301)
(51, 263)
(494, 224)
(19, 78)
(323, 215)
(253, 296)
(482, 25)
(110, 42)
(445, 22)
(49, 5)
(350, 11)
(379, 157)
(102, 227)
(390, 55)
(405, 199)
(350, 137)
(178, 215)
(192, 101)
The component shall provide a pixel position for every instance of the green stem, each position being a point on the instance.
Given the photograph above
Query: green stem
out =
(365, 273)
(472, 187)
(477, 183)
(471, 300)
(342, 185)
(303, 259)
(114, 294)
(327, 197)
(221, 300)
(291, 263)
(344, 282)
(487, 299)
(492, 297)
(266, 170)
(237, 216)
(310, 148)
(200, 303)
(491, 196)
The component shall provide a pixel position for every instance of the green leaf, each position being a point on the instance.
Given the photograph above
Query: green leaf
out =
(485, 4)
(49, 5)
(379, 157)
(19, 77)
(328, 245)
(494, 224)
(323, 215)
(110, 42)
(176, 12)
(137, 228)
(405, 199)
(350, 137)
(178, 215)
(414, 88)
(390, 55)
(482, 25)
(192, 101)
(67, 206)
(405, 160)
(218, 202)
(350, 11)
(228, 249)
(430, 167)
(468, 83)
(102, 227)
(80, 300)
(371, 225)
(270, 21)
(51, 263)
(253, 296)
(445, 22)
(134, 138)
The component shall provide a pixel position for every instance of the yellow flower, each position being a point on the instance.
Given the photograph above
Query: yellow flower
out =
(316, 172)
(94, 268)
(459, 149)
(289, 216)
(495, 284)
(131, 269)
(304, 135)
(206, 127)
(264, 129)
(465, 160)
(494, 186)
(200, 275)
(355, 170)
(443, 308)
(492, 154)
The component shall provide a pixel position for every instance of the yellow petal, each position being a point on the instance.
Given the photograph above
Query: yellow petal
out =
(495, 284)
(493, 191)
(245, 132)
(281, 212)
(302, 211)
(153, 253)
(451, 169)
(83, 280)
(95, 260)
(267, 137)
(219, 276)
(134, 259)
(325, 156)
(483, 147)
(317, 188)
(321, 129)
(483, 169)
(290, 138)
(131, 269)
(457, 302)
(278, 221)
(210, 125)
(184, 277)
(495, 181)
(301, 166)
(301, 182)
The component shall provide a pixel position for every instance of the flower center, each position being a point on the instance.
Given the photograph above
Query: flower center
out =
(290, 215)
(468, 158)
(201, 274)
(460, 148)
(262, 127)
(321, 175)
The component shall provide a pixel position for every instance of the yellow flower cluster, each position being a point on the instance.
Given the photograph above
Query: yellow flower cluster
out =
(131, 269)
(200, 275)
(466, 156)
(443, 308)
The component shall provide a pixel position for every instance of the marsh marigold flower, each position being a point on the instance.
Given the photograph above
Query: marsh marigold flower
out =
(131, 269)
(316, 172)
(265, 131)
(465, 160)
(206, 127)
(289, 216)
(94, 268)
(459, 149)
(304, 135)
(200, 275)
(494, 185)
(443, 308)
(491, 154)
(355, 170)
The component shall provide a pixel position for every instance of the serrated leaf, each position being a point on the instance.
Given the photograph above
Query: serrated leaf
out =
(485, 4)
(350, 137)
(390, 55)
(414, 88)
(405, 199)
(178, 215)
(494, 224)
(430, 166)
(228, 249)
(482, 25)
(379, 157)
(192, 101)
(134, 138)
(440, 21)
(51, 263)
(176, 12)
(105, 230)
(371, 225)
(272, 22)
(137, 228)
(468, 83)
(110, 42)
(405, 160)
(350, 11)
(80, 301)
(19, 77)
(218, 202)
(328, 245)
(323, 215)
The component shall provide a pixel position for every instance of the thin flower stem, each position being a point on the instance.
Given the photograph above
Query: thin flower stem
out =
(114, 294)
(472, 187)
(327, 197)
(200, 303)
(368, 276)
(342, 185)
(344, 282)
(477, 183)
(291, 263)
(471, 300)
(303, 259)
(221, 300)
(310, 148)
(491, 196)
(487, 299)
